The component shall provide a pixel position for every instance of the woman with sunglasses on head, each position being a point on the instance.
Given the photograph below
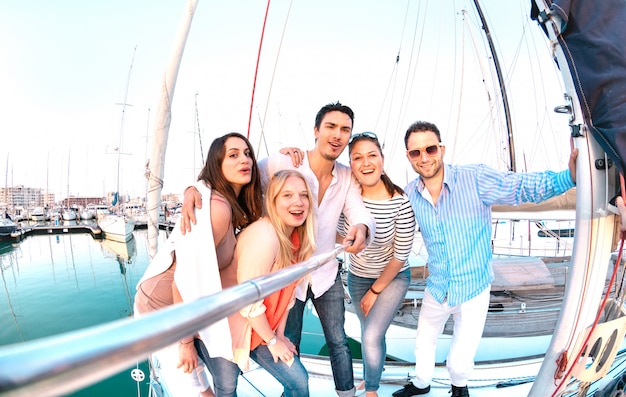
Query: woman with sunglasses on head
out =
(452, 204)
(379, 276)
(199, 263)
(283, 236)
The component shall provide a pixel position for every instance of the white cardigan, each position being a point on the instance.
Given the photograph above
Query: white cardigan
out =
(197, 273)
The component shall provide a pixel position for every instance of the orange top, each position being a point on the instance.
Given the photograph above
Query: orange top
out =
(277, 304)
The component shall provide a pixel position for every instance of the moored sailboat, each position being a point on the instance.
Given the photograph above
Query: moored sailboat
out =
(116, 225)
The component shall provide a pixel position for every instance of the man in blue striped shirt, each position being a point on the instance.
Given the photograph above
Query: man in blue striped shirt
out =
(452, 205)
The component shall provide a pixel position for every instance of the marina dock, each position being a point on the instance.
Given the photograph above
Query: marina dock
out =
(26, 230)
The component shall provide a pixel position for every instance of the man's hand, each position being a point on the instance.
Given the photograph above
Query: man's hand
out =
(191, 201)
(357, 238)
(572, 161)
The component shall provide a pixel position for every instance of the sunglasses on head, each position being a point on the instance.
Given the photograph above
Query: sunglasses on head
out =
(430, 150)
(365, 134)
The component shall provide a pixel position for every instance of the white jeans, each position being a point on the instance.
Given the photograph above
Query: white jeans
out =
(174, 380)
(469, 321)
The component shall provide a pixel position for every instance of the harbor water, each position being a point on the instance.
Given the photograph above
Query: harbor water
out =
(60, 283)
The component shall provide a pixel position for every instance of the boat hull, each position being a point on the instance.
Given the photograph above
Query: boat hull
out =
(116, 228)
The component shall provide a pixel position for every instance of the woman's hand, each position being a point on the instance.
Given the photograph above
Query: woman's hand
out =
(367, 302)
(283, 349)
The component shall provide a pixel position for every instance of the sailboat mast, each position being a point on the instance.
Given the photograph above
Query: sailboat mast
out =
(505, 100)
(119, 145)
(69, 154)
(6, 186)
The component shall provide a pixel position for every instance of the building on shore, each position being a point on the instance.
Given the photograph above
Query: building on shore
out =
(25, 197)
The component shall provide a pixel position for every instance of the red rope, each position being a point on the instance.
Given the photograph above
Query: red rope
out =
(601, 310)
(256, 70)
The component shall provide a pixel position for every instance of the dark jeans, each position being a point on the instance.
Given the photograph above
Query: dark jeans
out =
(330, 308)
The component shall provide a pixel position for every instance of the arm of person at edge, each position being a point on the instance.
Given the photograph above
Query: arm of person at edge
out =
(621, 208)
(187, 354)
(192, 198)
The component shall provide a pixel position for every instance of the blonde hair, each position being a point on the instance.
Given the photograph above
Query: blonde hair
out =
(306, 231)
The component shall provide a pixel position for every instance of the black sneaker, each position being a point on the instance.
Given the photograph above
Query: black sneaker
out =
(460, 391)
(410, 390)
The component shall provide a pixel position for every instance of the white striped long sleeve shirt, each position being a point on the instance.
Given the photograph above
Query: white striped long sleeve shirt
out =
(457, 230)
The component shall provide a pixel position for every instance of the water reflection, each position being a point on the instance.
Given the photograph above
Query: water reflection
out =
(8, 263)
(124, 253)
(58, 283)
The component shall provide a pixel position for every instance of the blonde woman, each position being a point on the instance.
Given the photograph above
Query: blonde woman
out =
(282, 237)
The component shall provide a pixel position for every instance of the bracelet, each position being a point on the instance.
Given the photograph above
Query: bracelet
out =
(185, 343)
(374, 291)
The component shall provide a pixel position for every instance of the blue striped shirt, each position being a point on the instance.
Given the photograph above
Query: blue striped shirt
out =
(457, 230)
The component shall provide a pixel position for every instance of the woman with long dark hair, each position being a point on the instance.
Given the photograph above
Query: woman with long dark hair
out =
(196, 264)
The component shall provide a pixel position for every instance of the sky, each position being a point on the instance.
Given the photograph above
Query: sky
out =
(67, 67)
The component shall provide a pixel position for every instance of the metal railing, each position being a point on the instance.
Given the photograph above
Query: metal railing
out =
(67, 362)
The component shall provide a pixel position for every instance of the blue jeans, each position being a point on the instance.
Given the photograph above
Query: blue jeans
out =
(225, 373)
(375, 325)
(294, 378)
(331, 310)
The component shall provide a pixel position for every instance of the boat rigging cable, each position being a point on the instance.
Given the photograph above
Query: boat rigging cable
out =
(393, 79)
(269, 92)
(408, 89)
(256, 69)
(198, 125)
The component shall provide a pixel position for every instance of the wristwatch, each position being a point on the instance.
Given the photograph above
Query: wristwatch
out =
(272, 341)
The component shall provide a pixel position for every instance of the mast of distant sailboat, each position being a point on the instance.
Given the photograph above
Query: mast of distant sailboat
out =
(116, 198)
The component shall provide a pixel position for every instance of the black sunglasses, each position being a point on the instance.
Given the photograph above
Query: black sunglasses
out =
(430, 150)
(365, 134)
